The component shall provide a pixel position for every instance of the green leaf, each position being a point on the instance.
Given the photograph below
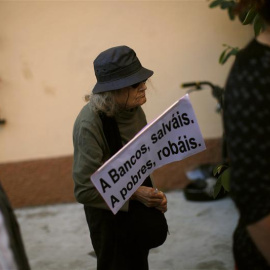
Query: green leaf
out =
(223, 55)
(217, 170)
(225, 179)
(223, 5)
(215, 3)
(227, 4)
(250, 16)
(258, 25)
(231, 52)
(242, 16)
(217, 188)
(231, 13)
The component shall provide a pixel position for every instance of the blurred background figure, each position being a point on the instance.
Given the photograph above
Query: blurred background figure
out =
(12, 252)
(247, 128)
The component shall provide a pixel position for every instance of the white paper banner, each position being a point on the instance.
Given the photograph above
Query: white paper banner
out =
(173, 136)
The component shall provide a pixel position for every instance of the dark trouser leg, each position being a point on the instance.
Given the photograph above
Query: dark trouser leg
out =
(138, 257)
(114, 241)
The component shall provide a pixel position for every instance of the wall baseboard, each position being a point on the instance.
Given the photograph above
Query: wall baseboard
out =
(38, 182)
(49, 181)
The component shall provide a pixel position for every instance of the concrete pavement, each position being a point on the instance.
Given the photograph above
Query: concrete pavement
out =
(56, 237)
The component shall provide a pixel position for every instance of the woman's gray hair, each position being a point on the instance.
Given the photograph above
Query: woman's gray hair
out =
(103, 102)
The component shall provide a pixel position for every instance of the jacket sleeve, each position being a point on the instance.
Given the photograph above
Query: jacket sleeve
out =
(90, 152)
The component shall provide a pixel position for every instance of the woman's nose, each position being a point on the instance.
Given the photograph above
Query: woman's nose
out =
(143, 86)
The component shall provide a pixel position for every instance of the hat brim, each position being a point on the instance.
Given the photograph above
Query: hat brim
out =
(141, 75)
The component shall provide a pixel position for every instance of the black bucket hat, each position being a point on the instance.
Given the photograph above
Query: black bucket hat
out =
(118, 67)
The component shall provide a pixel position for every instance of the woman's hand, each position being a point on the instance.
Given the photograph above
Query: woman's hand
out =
(163, 205)
(151, 198)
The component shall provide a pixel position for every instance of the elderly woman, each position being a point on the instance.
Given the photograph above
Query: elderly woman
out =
(111, 118)
(247, 127)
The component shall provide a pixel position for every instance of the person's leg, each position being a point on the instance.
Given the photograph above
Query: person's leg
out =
(123, 241)
(138, 256)
(147, 229)
(108, 236)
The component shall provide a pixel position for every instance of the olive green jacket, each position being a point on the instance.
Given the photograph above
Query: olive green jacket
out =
(91, 149)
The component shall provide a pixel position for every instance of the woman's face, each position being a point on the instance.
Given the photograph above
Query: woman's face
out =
(131, 97)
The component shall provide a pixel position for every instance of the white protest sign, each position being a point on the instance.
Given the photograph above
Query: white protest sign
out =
(173, 136)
